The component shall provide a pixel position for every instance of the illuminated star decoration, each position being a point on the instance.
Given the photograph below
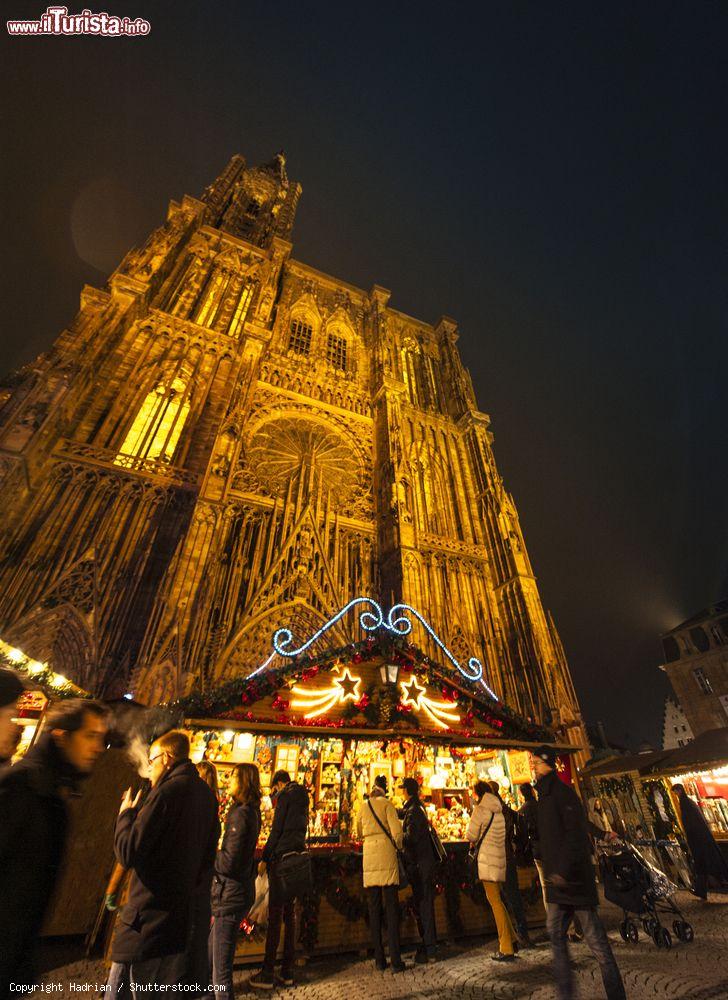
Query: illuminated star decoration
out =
(319, 701)
(439, 711)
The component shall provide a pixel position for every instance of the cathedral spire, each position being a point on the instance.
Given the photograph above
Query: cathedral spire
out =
(253, 203)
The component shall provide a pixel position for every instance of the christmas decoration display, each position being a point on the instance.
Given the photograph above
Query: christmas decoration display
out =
(395, 622)
(376, 706)
(613, 786)
(320, 700)
(40, 675)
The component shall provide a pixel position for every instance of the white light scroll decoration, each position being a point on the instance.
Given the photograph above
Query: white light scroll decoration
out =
(283, 637)
(371, 619)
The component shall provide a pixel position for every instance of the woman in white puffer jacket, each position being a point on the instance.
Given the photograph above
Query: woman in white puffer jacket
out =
(381, 870)
(488, 816)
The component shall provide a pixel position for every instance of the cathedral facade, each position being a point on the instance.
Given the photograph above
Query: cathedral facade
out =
(226, 440)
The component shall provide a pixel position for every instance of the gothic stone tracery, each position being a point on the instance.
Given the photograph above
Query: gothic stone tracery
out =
(225, 439)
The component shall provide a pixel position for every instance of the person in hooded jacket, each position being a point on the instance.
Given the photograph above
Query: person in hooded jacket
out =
(34, 827)
(487, 827)
(708, 860)
(170, 844)
(563, 838)
(288, 834)
(233, 885)
(379, 829)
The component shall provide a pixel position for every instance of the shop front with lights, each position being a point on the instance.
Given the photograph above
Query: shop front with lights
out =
(635, 793)
(338, 721)
(637, 788)
(43, 686)
(701, 766)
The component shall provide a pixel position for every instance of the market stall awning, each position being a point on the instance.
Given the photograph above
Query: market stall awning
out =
(625, 763)
(376, 734)
(38, 675)
(378, 688)
(706, 751)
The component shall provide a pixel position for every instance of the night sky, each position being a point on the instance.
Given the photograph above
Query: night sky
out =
(551, 175)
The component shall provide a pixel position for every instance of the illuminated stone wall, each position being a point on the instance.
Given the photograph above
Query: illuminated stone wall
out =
(225, 440)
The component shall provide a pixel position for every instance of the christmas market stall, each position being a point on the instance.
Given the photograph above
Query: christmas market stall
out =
(701, 766)
(634, 794)
(613, 789)
(42, 685)
(337, 720)
(627, 795)
(622, 795)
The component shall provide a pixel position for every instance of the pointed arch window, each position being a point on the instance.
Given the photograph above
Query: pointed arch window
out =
(241, 309)
(212, 297)
(299, 336)
(337, 351)
(157, 427)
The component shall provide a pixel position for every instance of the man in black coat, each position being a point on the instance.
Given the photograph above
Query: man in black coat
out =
(708, 861)
(570, 885)
(421, 866)
(34, 825)
(170, 843)
(288, 834)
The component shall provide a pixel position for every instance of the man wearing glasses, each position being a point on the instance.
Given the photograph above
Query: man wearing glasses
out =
(169, 842)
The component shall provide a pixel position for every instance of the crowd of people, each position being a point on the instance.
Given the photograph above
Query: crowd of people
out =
(191, 883)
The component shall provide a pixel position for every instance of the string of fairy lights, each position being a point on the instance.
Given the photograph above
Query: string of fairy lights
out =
(371, 619)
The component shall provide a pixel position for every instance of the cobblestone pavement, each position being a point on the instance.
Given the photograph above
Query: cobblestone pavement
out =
(698, 971)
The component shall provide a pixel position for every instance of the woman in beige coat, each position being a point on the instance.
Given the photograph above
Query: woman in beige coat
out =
(381, 870)
(488, 815)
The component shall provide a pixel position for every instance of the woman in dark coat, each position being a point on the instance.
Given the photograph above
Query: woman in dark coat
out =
(233, 885)
(708, 861)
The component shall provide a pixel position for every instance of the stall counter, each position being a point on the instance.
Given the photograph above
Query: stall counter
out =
(332, 918)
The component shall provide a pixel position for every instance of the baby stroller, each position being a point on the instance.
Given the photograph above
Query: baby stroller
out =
(630, 881)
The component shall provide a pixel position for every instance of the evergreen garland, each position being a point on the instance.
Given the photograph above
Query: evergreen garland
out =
(333, 871)
(379, 706)
(613, 786)
(44, 679)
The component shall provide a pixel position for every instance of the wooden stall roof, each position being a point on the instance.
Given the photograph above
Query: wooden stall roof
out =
(624, 764)
(706, 751)
(346, 693)
(374, 734)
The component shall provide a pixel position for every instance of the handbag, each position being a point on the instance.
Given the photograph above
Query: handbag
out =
(437, 846)
(293, 875)
(473, 855)
(401, 866)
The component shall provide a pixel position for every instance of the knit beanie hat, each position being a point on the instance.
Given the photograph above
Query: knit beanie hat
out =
(547, 754)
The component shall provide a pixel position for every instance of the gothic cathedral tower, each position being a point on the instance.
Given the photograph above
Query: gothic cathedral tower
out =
(225, 440)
